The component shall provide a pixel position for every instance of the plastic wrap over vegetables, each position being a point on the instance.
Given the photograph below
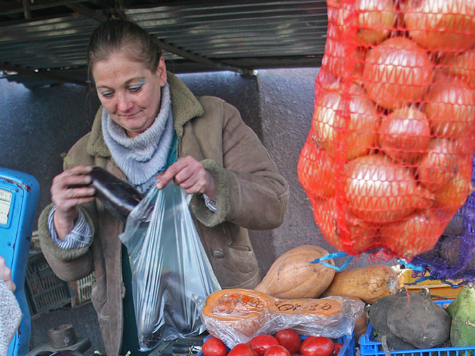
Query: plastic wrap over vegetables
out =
(237, 315)
(171, 274)
(388, 159)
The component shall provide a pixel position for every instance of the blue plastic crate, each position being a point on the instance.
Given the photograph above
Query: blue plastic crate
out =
(348, 348)
(368, 347)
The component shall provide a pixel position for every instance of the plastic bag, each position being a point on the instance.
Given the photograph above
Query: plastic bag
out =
(387, 161)
(237, 315)
(171, 274)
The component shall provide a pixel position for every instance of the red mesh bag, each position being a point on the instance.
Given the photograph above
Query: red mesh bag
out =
(388, 159)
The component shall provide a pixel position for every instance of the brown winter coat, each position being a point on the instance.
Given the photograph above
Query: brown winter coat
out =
(251, 194)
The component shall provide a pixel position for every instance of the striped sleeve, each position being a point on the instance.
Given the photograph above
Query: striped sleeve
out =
(79, 237)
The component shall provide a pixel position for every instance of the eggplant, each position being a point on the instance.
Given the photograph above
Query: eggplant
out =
(119, 197)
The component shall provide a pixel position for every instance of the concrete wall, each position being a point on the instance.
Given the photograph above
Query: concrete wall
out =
(37, 126)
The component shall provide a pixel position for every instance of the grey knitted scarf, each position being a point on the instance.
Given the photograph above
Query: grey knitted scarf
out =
(10, 317)
(146, 155)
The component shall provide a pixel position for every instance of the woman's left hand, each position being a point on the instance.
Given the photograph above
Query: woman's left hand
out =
(189, 174)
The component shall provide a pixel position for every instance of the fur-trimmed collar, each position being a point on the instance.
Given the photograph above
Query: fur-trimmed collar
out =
(185, 106)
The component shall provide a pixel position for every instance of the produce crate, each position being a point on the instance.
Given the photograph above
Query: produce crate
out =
(83, 290)
(348, 348)
(438, 289)
(368, 347)
(44, 290)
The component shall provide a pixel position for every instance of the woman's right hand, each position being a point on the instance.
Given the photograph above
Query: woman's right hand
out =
(6, 275)
(70, 189)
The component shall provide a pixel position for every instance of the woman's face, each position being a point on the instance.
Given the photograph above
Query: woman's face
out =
(129, 91)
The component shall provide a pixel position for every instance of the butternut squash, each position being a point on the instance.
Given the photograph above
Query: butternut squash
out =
(367, 283)
(293, 276)
(246, 311)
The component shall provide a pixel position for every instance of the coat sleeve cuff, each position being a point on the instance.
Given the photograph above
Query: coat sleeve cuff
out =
(50, 247)
(223, 206)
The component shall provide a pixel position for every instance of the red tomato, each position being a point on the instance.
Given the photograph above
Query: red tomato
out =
(317, 346)
(289, 339)
(214, 347)
(242, 350)
(337, 348)
(261, 343)
(277, 350)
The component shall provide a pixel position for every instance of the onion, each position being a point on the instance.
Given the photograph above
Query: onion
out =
(454, 194)
(441, 25)
(336, 56)
(328, 122)
(460, 64)
(397, 72)
(438, 165)
(378, 190)
(362, 235)
(404, 134)
(375, 19)
(414, 235)
(315, 171)
(450, 108)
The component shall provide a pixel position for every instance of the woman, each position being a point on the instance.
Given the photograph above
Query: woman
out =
(149, 130)
(6, 275)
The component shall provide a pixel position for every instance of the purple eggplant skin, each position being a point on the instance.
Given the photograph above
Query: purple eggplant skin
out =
(119, 197)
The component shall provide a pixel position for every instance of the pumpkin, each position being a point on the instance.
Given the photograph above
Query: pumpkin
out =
(293, 276)
(361, 324)
(367, 283)
(246, 311)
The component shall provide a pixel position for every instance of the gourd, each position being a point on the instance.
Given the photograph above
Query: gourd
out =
(293, 276)
(361, 324)
(246, 311)
(367, 283)
(462, 310)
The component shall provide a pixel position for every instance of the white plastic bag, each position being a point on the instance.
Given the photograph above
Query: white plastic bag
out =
(171, 274)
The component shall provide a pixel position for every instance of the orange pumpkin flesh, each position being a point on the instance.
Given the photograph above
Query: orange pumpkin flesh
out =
(246, 310)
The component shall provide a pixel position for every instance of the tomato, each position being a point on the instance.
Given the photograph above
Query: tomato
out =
(289, 339)
(336, 348)
(214, 347)
(242, 350)
(277, 350)
(261, 343)
(317, 346)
